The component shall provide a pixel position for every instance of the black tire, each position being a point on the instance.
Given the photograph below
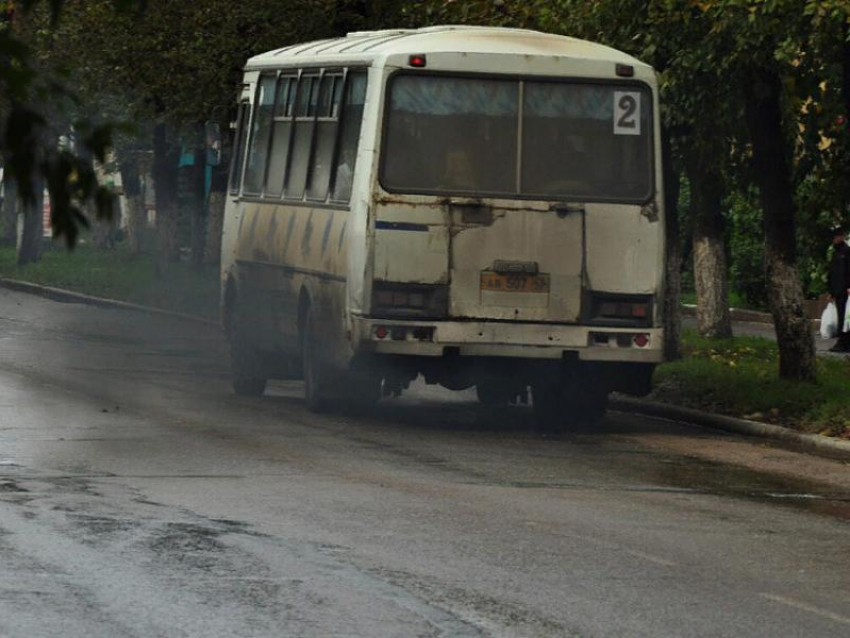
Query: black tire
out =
(246, 372)
(547, 403)
(363, 391)
(568, 405)
(492, 394)
(591, 408)
(316, 379)
(249, 386)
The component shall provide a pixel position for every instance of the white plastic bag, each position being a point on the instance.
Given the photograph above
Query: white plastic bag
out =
(846, 318)
(829, 321)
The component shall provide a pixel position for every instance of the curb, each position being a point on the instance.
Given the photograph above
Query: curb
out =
(813, 443)
(737, 314)
(67, 296)
(741, 315)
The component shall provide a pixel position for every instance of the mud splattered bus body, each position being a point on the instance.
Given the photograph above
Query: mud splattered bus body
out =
(479, 206)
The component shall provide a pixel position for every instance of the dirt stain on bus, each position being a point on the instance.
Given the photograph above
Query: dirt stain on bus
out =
(341, 236)
(254, 219)
(289, 229)
(327, 234)
(308, 234)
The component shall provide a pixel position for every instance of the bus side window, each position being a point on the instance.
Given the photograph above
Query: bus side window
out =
(352, 117)
(330, 96)
(306, 105)
(258, 149)
(238, 159)
(281, 135)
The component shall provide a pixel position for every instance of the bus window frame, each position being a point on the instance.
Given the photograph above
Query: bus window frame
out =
(234, 182)
(254, 112)
(521, 79)
(316, 74)
(280, 75)
(349, 72)
(342, 74)
(297, 71)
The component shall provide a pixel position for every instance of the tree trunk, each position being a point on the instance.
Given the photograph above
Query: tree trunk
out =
(9, 213)
(845, 92)
(198, 206)
(101, 232)
(32, 219)
(104, 230)
(785, 293)
(136, 215)
(215, 224)
(165, 160)
(845, 69)
(713, 317)
(673, 255)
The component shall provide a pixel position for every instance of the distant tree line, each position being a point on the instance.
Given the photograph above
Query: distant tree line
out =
(755, 103)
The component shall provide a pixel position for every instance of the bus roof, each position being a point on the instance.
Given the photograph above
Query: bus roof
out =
(377, 45)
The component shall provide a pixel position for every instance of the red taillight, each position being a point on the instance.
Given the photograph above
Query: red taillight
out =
(381, 332)
(641, 340)
(418, 61)
(622, 310)
(625, 70)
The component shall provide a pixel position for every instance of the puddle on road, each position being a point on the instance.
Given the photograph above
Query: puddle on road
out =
(103, 338)
(707, 477)
(597, 460)
(657, 472)
(9, 486)
(719, 480)
(169, 352)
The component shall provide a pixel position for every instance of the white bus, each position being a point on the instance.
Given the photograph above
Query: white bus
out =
(478, 206)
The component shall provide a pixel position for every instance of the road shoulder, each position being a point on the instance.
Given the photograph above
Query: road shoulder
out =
(827, 447)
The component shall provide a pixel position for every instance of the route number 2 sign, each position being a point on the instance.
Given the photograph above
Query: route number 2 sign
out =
(626, 113)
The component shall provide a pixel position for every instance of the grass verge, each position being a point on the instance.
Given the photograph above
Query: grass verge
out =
(118, 274)
(740, 377)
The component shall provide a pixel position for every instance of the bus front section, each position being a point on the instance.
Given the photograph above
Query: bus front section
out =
(518, 238)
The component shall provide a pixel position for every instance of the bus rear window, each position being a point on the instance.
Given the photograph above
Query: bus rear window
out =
(450, 134)
(512, 138)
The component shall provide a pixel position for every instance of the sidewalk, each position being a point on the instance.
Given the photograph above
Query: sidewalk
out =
(766, 331)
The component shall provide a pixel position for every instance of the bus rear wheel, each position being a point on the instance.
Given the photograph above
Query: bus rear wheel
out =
(362, 393)
(315, 369)
(246, 374)
(568, 406)
(497, 393)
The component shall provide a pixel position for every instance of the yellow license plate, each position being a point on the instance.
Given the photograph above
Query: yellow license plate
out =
(514, 282)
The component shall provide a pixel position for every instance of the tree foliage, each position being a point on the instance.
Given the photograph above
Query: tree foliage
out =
(33, 100)
(137, 63)
(181, 60)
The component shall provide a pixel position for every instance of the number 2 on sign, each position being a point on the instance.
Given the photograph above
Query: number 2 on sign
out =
(626, 113)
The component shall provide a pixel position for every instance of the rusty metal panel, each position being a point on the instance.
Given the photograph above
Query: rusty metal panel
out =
(411, 244)
(541, 237)
(623, 248)
(411, 256)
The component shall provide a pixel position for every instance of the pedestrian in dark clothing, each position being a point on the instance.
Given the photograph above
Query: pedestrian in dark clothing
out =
(839, 285)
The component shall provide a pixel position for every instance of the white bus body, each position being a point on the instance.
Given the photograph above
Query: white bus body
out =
(481, 206)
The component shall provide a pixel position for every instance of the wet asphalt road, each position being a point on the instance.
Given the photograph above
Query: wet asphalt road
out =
(139, 497)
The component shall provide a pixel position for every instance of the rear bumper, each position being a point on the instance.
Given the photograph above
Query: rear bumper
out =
(502, 339)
